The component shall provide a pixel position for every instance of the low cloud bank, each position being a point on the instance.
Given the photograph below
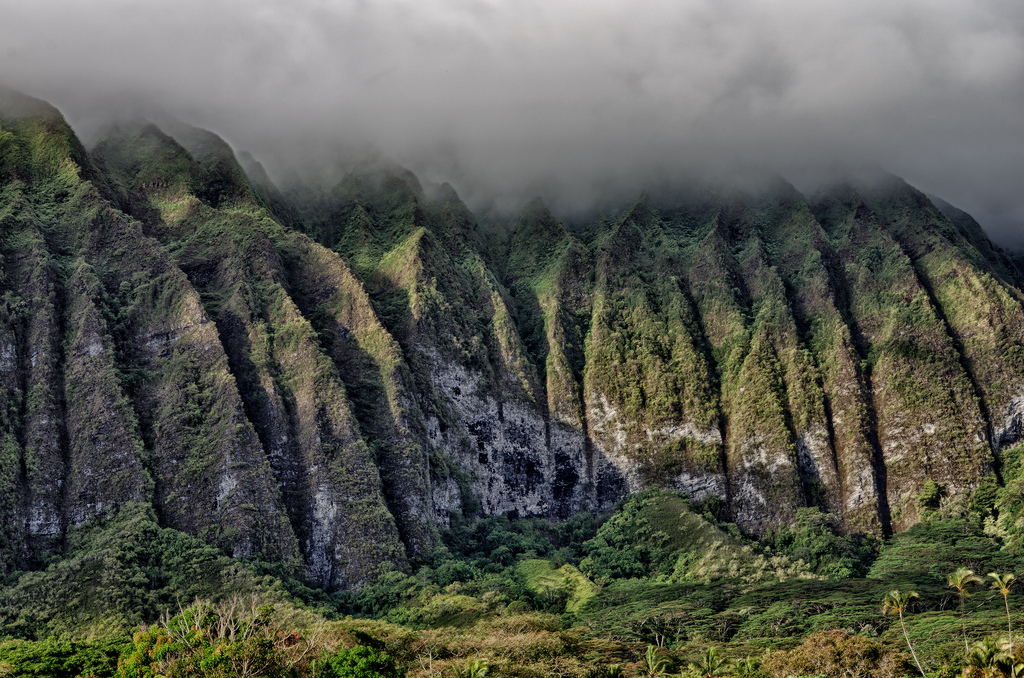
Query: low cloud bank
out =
(570, 101)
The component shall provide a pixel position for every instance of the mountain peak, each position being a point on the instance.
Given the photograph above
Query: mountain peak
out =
(15, 105)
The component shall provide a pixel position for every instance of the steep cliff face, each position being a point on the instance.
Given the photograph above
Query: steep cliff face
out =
(303, 430)
(325, 380)
(764, 349)
(483, 420)
(927, 413)
(127, 394)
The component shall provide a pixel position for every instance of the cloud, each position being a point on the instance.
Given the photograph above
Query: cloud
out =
(505, 98)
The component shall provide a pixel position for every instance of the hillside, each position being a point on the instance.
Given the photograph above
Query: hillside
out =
(328, 380)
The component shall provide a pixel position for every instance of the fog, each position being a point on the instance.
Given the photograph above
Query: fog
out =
(569, 100)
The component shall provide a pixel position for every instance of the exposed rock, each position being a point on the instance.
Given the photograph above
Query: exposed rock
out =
(327, 382)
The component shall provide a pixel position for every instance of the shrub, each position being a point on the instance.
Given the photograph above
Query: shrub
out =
(231, 639)
(59, 659)
(357, 662)
(838, 654)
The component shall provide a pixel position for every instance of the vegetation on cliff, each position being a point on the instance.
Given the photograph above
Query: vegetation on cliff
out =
(362, 400)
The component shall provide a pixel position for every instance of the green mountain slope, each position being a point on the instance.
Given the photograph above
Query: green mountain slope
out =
(326, 379)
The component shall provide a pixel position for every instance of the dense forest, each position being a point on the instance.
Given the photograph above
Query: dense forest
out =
(659, 587)
(361, 430)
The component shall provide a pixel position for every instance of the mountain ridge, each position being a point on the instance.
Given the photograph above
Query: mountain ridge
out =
(325, 380)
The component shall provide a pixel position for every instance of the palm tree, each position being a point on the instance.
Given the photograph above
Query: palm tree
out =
(655, 664)
(478, 668)
(960, 580)
(748, 667)
(711, 665)
(1002, 583)
(1010, 668)
(896, 602)
(986, 656)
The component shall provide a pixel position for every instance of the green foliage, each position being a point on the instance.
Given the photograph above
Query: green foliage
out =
(560, 587)
(495, 541)
(992, 658)
(1003, 507)
(961, 580)
(929, 496)
(711, 664)
(118, 573)
(747, 667)
(477, 668)
(655, 664)
(456, 597)
(489, 563)
(656, 533)
(929, 551)
(896, 602)
(1003, 583)
(645, 537)
(813, 538)
(357, 662)
(60, 658)
(210, 641)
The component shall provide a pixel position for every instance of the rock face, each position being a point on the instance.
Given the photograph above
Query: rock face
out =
(327, 379)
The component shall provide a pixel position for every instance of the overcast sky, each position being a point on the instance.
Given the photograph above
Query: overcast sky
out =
(513, 97)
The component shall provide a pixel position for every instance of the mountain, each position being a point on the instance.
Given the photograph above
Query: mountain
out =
(327, 379)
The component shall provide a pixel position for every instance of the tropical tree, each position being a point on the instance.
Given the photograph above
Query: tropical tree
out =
(478, 668)
(748, 667)
(233, 638)
(896, 603)
(960, 580)
(1002, 583)
(360, 661)
(987, 657)
(654, 663)
(1013, 670)
(710, 665)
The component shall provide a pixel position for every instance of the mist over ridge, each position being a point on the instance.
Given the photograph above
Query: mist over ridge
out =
(506, 101)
